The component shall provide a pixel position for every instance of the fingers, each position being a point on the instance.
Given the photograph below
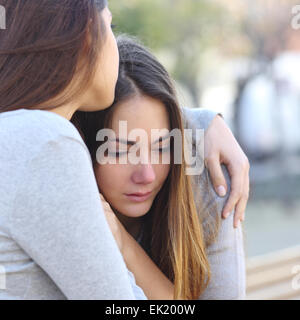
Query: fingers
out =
(237, 181)
(239, 192)
(215, 170)
(239, 212)
(106, 206)
(231, 203)
(245, 196)
(104, 202)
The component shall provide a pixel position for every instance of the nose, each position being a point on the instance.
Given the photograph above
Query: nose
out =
(144, 174)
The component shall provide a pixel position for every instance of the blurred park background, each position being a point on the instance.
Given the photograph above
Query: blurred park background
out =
(241, 58)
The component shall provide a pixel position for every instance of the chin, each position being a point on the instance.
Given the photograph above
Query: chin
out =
(106, 102)
(110, 100)
(107, 99)
(92, 108)
(135, 211)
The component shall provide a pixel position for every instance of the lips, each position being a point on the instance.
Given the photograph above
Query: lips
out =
(138, 197)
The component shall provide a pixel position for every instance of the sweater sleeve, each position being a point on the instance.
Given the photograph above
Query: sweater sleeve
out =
(199, 117)
(59, 222)
(226, 251)
(225, 244)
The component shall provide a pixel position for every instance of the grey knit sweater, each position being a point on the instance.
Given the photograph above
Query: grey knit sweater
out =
(55, 242)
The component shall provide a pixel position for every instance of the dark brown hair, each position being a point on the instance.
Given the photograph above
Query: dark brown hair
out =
(173, 236)
(41, 48)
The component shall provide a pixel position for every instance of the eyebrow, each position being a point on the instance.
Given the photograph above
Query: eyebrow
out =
(131, 143)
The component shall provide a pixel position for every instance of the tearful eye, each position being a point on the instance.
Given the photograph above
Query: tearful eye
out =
(165, 149)
(117, 153)
(162, 149)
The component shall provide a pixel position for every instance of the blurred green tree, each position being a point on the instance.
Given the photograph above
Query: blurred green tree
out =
(183, 28)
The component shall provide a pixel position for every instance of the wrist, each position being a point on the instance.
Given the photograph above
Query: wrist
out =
(128, 247)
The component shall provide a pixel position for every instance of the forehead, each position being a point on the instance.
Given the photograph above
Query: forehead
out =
(141, 112)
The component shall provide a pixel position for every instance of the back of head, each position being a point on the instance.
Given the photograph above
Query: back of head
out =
(40, 49)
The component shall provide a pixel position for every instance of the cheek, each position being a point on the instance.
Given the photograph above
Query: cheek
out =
(112, 59)
(161, 172)
(115, 57)
(111, 179)
(107, 71)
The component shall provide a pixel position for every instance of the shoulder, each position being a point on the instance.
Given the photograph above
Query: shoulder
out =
(224, 243)
(208, 202)
(197, 117)
(45, 124)
(27, 132)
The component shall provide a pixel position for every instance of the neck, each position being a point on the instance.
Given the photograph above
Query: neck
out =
(66, 111)
(132, 225)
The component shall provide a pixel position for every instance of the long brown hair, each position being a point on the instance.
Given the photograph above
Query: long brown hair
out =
(173, 235)
(41, 47)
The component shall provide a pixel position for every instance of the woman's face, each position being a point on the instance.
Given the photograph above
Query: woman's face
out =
(131, 188)
(102, 92)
